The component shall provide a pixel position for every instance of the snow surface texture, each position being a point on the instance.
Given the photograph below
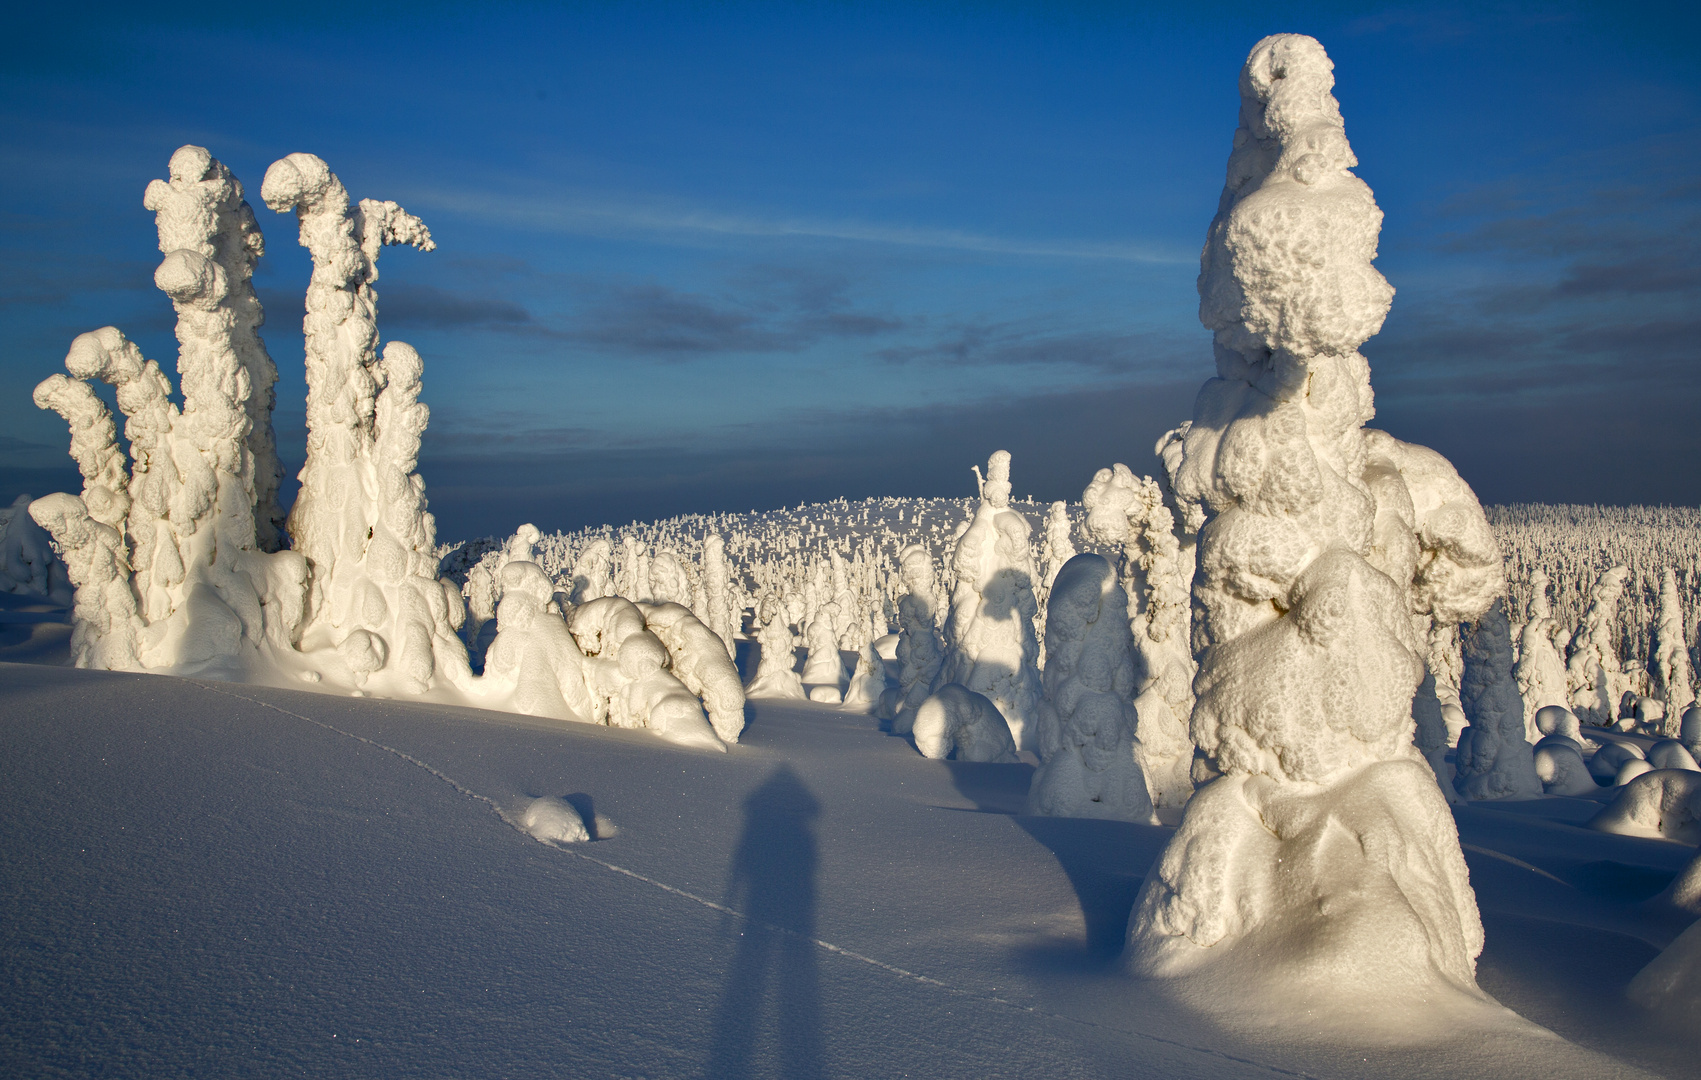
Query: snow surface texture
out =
(955, 722)
(990, 645)
(245, 872)
(1090, 760)
(1494, 761)
(1322, 871)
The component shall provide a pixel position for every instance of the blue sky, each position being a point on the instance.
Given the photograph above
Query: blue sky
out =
(722, 256)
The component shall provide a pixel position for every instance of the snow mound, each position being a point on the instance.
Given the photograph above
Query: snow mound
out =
(1657, 802)
(955, 722)
(555, 820)
(1670, 986)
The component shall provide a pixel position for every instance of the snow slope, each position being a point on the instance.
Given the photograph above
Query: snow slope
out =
(212, 880)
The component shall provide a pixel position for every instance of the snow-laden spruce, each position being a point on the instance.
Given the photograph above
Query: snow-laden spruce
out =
(173, 556)
(1593, 673)
(1089, 757)
(1494, 760)
(990, 645)
(919, 652)
(1127, 515)
(1541, 665)
(1322, 870)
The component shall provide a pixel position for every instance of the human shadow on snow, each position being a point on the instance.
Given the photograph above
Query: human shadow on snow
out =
(773, 986)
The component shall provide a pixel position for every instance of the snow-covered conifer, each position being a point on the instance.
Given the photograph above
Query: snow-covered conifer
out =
(1089, 761)
(1494, 760)
(990, 646)
(1321, 541)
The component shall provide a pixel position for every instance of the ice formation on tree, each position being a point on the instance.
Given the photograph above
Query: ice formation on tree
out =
(775, 676)
(1541, 669)
(27, 563)
(957, 722)
(990, 646)
(1058, 548)
(360, 518)
(919, 653)
(593, 573)
(1673, 680)
(1128, 514)
(628, 677)
(698, 657)
(718, 613)
(1494, 760)
(533, 650)
(823, 667)
(1592, 670)
(1089, 758)
(1323, 868)
(169, 558)
(868, 682)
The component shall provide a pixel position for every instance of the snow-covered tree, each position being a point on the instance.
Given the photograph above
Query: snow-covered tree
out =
(1321, 542)
(990, 646)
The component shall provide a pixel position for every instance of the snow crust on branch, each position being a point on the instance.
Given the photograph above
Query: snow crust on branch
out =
(1325, 551)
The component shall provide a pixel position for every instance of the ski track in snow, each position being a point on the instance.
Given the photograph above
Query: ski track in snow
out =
(825, 946)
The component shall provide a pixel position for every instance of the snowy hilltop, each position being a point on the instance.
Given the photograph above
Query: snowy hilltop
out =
(1266, 737)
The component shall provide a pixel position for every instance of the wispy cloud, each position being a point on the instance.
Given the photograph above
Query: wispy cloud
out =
(577, 213)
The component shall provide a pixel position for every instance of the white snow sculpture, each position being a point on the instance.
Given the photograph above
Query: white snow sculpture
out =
(1541, 670)
(1058, 548)
(1592, 671)
(626, 671)
(698, 658)
(919, 652)
(823, 667)
(1089, 765)
(868, 682)
(1127, 513)
(28, 566)
(957, 722)
(1669, 664)
(776, 676)
(654, 698)
(1661, 802)
(1322, 870)
(593, 576)
(360, 518)
(171, 554)
(717, 591)
(670, 581)
(990, 646)
(1494, 761)
(533, 650)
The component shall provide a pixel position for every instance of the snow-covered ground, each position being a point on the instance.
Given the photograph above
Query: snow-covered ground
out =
(214, 880)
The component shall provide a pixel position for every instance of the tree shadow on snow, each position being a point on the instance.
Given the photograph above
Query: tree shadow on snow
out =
(1106, 861)
(774, 972)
